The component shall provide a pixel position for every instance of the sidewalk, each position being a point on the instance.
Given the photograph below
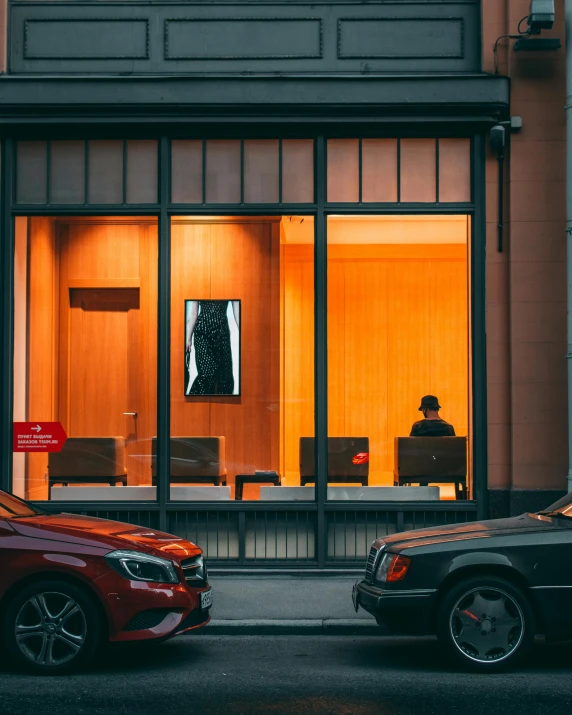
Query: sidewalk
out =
(270, 604)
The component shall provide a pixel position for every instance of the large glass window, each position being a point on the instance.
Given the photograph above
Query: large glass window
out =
(242, 320)
(398, 357)
(242, 357)
(85, 317)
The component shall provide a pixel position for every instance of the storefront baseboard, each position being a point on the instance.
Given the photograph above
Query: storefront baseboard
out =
(511, 502)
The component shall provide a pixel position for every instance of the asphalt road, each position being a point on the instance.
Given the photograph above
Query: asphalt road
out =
(325, 675)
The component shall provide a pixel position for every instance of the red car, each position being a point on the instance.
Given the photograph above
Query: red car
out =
(69, 583)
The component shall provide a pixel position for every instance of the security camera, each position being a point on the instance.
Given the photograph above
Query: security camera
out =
(541, 15)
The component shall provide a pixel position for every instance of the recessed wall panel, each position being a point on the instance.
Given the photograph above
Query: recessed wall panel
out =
(85, 39)
(400, 37)
(242, 38)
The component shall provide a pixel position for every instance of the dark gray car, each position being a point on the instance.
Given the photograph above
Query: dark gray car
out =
(484, 588)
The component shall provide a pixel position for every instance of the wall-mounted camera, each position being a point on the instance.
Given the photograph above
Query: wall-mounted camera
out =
(541, 16)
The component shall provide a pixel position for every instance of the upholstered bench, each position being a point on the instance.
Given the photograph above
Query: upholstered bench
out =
(89, 460)
(348, 460)
(432, 460)
(194, 460)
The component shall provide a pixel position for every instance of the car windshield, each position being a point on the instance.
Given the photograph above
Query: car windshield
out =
(563, 507)
(11, 507)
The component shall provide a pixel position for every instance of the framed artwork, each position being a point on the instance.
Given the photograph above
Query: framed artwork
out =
(212, 347)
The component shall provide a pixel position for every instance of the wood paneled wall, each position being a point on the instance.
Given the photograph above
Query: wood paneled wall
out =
(297, 355)
(19, 460)
(67, 255)
(42, 356)
(397, 330)
(219, 260)
(397, 318)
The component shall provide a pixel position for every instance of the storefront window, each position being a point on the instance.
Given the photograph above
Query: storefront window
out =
(85, 325)
(242, 356)
(242, 319)
(398, 340)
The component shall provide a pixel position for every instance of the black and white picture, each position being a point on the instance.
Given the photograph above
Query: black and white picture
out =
(212, 347)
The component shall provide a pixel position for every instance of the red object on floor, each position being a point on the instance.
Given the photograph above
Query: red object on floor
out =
(38, 437)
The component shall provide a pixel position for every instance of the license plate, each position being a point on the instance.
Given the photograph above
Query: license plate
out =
(355, 596)
(206, 599)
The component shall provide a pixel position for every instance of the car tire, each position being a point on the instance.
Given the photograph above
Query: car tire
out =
(51, 627)
(485, 624)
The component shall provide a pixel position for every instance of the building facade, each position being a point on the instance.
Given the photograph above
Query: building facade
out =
(242, 241)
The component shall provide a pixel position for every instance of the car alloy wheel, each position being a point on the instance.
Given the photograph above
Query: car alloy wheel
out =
(50, 628)
(486, 624)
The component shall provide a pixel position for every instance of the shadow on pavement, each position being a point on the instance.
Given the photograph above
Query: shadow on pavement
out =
(399, 654)
(140, 657)
(358, 655)
(127, 658)
(424, 654)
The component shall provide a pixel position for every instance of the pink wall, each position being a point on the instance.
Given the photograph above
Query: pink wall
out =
(526, 284)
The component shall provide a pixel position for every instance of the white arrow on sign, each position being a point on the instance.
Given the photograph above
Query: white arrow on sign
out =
(37, 428)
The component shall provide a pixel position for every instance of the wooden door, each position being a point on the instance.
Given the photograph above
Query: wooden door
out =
(104, 360)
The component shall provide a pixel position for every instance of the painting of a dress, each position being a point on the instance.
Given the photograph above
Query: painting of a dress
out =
(212, 347)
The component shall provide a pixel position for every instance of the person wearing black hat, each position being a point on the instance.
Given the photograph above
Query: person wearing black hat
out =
(432, 425)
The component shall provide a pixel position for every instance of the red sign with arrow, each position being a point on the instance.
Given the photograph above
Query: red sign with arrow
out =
(38, 437)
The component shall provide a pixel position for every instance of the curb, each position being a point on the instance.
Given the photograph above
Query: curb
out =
(301, 627)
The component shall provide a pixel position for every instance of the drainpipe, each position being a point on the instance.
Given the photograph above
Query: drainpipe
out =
(568, 20)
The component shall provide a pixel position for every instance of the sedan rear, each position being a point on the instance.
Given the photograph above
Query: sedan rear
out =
(484, 588)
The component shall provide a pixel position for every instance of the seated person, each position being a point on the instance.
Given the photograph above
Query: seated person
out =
(432, 425)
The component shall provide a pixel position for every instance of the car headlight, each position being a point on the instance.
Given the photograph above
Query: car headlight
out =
(137, 566)
(392, 567)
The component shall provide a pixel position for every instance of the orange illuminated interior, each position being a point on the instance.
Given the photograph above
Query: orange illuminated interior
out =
(398, 329)
(397, 321)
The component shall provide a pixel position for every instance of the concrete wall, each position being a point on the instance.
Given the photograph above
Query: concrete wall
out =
(526, 284)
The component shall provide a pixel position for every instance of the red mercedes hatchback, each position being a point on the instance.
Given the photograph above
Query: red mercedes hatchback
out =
(70, 583)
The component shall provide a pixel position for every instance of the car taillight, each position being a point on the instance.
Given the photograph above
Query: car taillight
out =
(398, 569)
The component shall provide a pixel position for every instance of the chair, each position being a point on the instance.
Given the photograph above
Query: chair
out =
(194, 460)
(348, 460)
(88, 460)
(430, 460)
